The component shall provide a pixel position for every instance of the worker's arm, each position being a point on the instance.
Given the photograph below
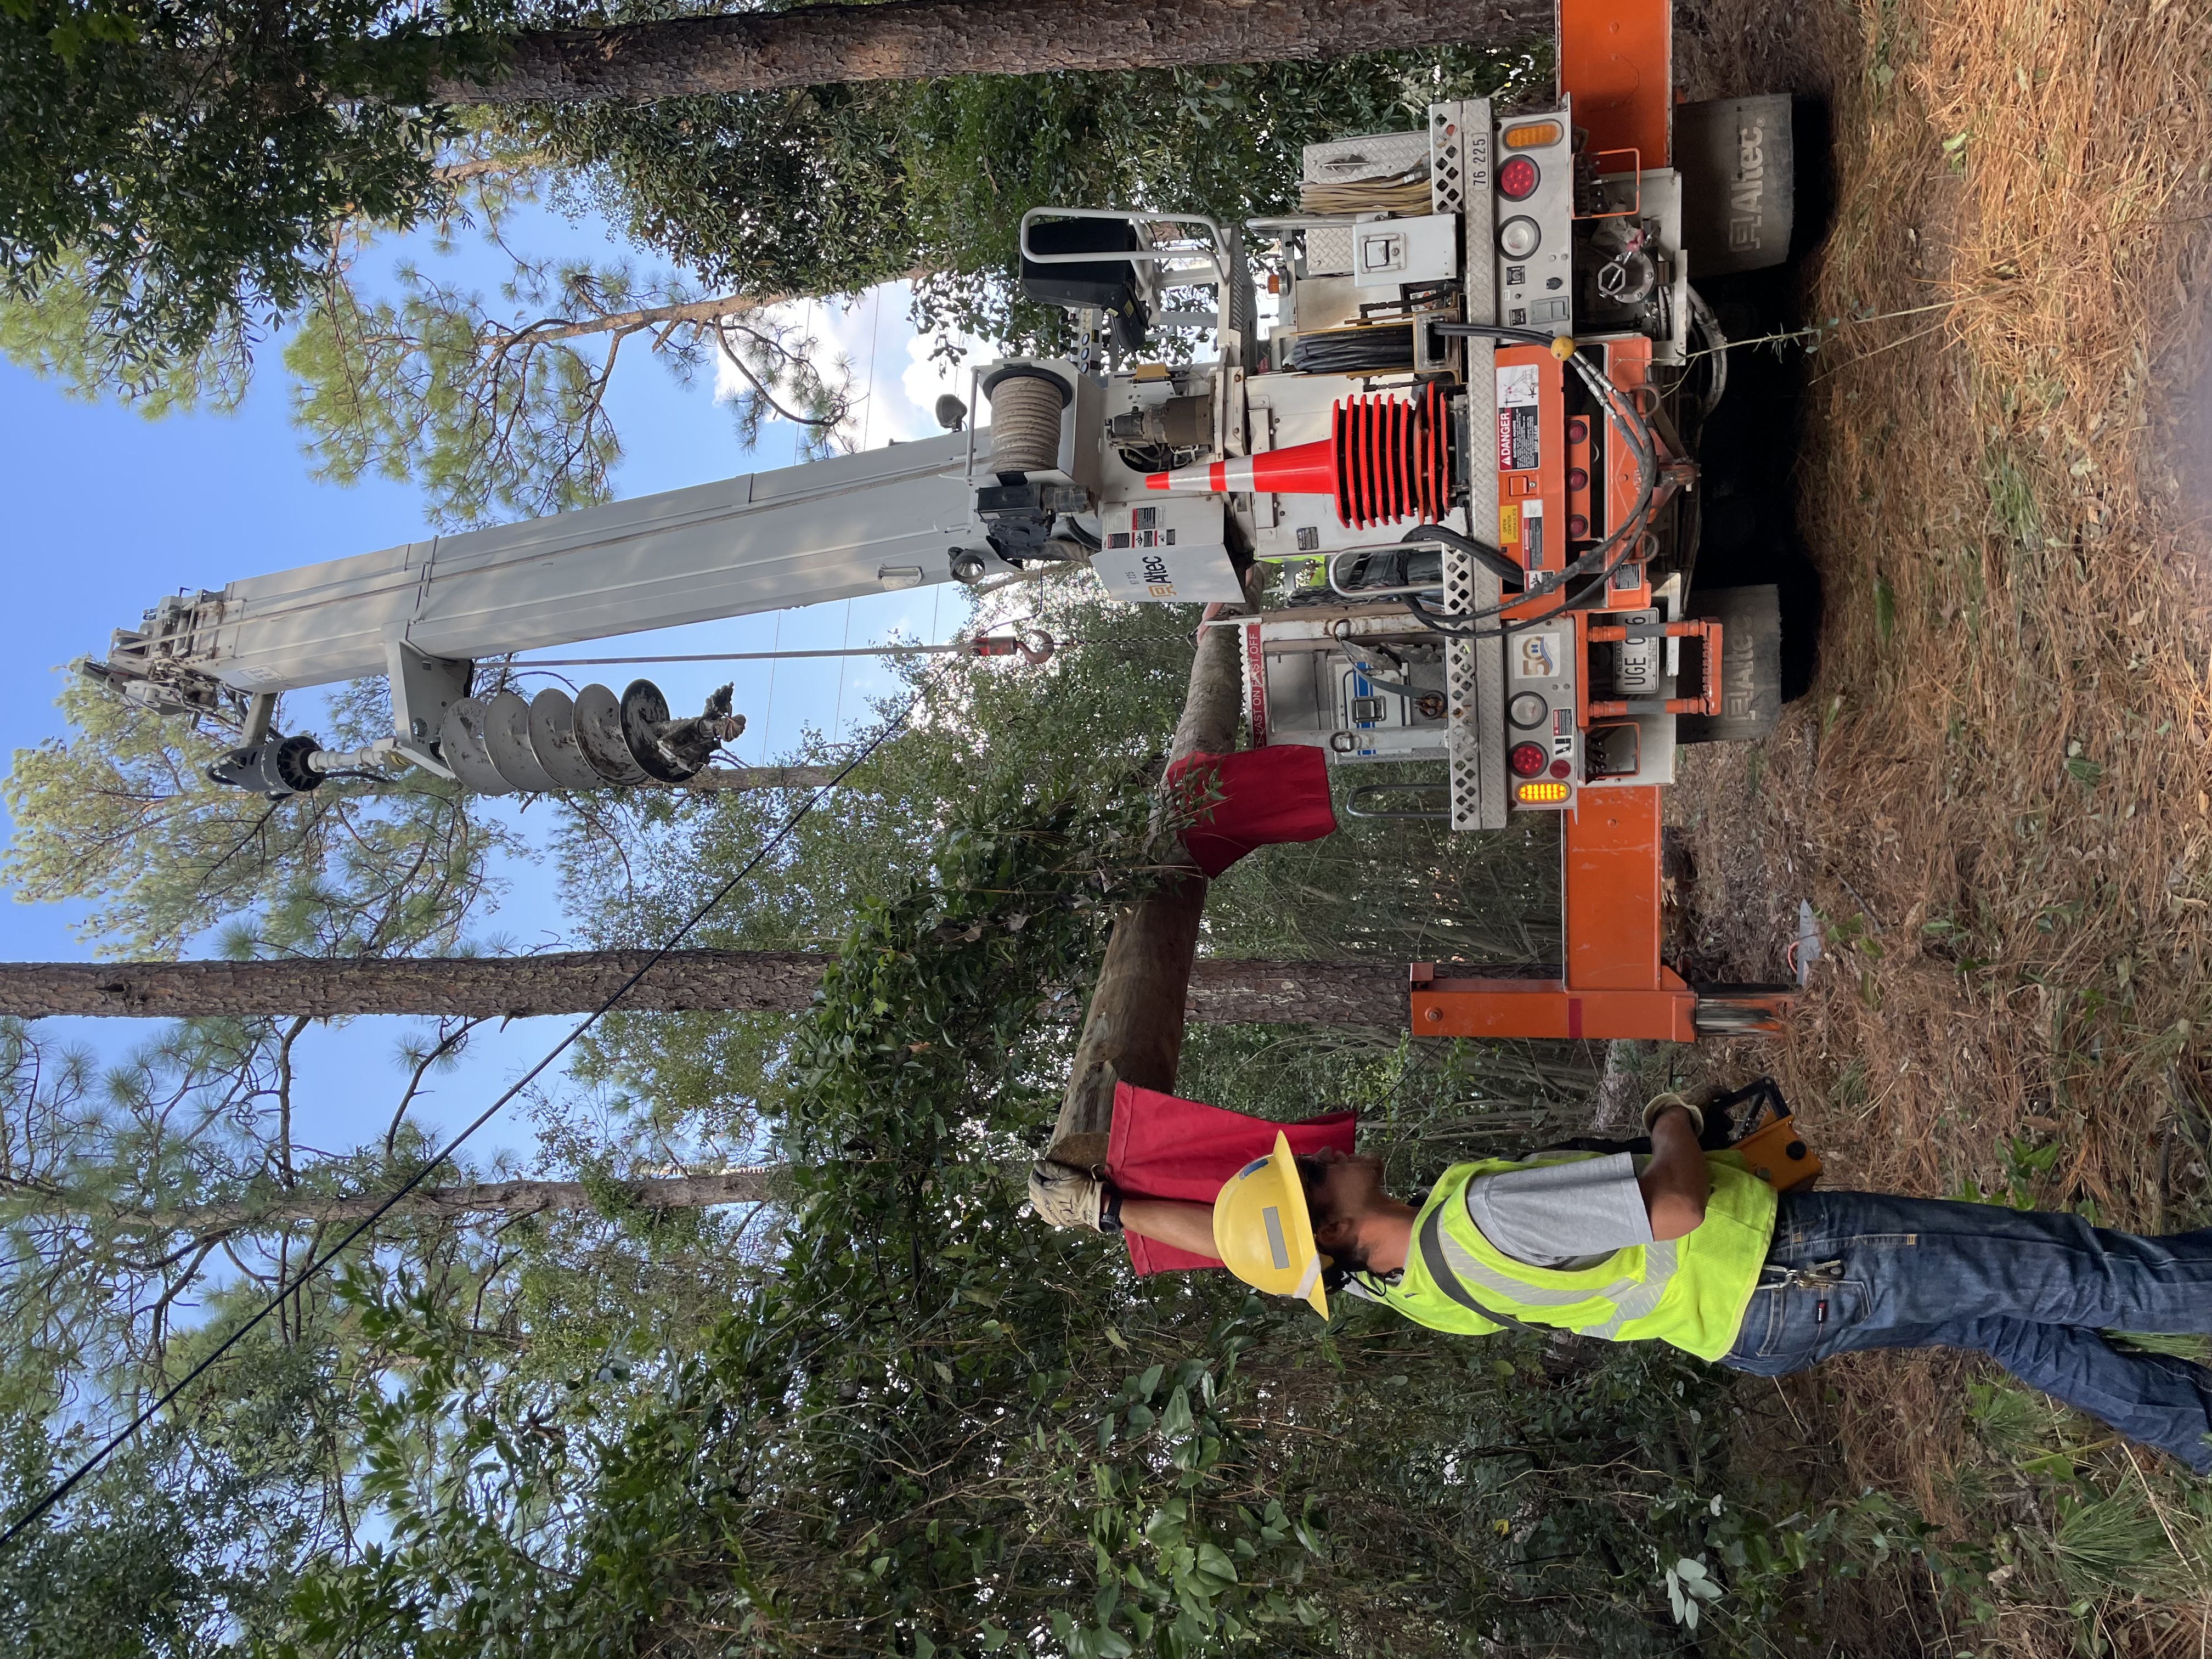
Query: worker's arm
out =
(1676, 1181)
(1069, 1197)
(1171, 1221)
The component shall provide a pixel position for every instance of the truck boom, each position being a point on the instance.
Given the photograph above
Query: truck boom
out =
(1472, 424)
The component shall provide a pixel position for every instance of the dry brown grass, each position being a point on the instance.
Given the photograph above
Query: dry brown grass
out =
(2001, 789)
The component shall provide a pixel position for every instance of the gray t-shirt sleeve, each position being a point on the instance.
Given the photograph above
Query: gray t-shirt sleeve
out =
(1562, 1215)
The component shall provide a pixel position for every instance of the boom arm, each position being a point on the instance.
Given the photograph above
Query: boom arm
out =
(423, 613)
(800, 535)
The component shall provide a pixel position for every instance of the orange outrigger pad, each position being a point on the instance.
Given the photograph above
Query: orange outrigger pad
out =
(1161, 1146)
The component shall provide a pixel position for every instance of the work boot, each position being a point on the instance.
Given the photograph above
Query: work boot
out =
(1065, 1196)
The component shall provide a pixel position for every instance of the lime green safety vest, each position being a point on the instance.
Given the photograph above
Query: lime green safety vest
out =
(1690, 1292)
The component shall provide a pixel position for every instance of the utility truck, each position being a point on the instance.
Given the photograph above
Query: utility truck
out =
(1466, 427)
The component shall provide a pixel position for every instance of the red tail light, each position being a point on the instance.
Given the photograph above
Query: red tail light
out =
(1516, 180)
(1525, 759)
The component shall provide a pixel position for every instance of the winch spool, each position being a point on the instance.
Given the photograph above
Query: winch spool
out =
(1386, 459)
(1025, 409)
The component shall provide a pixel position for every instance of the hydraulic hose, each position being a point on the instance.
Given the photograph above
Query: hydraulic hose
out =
(1607, 556)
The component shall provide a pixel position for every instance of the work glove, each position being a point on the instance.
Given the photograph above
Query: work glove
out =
(1715, 1107)
(1661, 1105)
(1065, 1196)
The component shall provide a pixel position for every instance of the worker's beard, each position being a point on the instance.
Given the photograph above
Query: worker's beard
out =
(1345, 1258)
(1332, 1237)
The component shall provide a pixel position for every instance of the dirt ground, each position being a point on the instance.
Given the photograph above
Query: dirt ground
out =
(1998, 793)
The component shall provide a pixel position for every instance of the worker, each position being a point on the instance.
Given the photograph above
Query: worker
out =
(1693, 1249)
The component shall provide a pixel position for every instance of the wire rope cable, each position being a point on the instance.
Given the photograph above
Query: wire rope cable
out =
(767, 720)
(55, 1494)
(875, 340)
(845, 645)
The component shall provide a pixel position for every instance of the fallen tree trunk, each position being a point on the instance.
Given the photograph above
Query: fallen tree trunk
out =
(1132, 1030)
(1219, 991)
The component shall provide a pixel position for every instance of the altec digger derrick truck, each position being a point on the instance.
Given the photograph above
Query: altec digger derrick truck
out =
(1471, 421)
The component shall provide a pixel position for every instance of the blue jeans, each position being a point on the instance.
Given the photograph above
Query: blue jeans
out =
(1849, 1272)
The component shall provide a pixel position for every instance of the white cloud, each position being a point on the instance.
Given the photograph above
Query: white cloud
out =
(895, 384)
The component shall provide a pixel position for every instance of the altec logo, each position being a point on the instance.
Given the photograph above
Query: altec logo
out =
(1158, 582)
(1748, 198)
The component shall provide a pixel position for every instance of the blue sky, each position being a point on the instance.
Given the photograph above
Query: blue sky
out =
(108, 511)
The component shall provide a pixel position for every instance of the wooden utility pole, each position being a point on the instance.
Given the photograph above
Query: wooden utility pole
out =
(1132, 1032)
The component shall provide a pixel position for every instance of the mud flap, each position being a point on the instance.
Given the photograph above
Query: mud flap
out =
(1737, 157)
(1751, 665)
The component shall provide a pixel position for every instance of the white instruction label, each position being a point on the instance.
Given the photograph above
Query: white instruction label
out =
(1516, 385)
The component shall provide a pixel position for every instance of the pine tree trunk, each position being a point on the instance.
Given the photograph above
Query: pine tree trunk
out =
(920, 39)
(763, 777)
(1360, 994)
(755, 1185)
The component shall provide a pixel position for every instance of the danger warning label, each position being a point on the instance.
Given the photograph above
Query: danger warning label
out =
(1518, 447)
(1517, 402)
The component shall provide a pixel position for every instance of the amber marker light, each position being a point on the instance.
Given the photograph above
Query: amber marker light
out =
(1539, 794)
(1534, 135)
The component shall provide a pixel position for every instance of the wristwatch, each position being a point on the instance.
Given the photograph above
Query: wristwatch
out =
(1109, 1209)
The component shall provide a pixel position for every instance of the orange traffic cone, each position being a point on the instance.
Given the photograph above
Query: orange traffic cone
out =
(1385, 459)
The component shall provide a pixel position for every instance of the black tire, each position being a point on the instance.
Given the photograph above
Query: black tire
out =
(1751, 665)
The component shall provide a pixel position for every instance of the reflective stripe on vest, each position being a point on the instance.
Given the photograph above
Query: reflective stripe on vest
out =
(1436, 1254)
(1448, 1261)
(1690, 1291)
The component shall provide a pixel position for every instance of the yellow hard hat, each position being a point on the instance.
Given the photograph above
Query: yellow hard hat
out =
(1263, 1232)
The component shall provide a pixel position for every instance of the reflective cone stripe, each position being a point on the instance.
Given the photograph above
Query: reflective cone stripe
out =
(1340, 439)
(1432, 441)
(1363, 430)
(1386, 458)
(1301, 470)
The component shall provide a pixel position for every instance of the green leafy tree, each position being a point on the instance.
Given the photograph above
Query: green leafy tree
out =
(498, 413)
(937, 1427)
(186, 1545)
(148, 1207)
(200, 158)
(494, 406)
(121, 814)
(62, 333)
(189, 164)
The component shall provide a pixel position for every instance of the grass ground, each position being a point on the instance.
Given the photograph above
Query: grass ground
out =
(1999, 793)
